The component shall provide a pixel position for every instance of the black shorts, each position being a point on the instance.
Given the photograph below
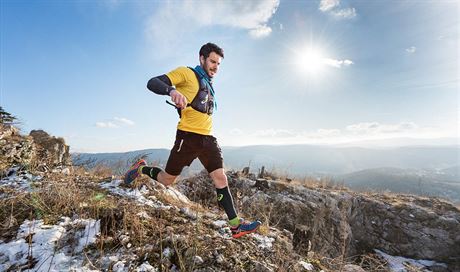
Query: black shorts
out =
(189, 146)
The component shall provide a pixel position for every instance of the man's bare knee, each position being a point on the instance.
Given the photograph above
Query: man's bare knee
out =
(219, 178)
(166, 179)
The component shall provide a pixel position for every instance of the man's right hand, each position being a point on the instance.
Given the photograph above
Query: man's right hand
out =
(178, 99)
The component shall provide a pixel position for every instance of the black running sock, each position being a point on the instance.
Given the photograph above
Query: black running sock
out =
(152, 172)
(224, 197)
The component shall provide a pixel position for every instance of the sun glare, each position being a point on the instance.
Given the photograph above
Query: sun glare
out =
(310, 61)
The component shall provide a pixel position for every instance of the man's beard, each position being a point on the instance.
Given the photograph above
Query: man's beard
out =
(206, 69)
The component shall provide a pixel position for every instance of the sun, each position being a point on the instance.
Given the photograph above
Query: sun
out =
(310, 61)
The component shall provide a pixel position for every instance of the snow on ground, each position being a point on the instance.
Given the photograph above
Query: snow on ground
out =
(18, 181)
(146, 267)
(219, 223)
(138, 195)
(44, 243)
(398, 264)
(263, 242)
(307, 266)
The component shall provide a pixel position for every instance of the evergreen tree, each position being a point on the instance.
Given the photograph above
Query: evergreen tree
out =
(6, 118)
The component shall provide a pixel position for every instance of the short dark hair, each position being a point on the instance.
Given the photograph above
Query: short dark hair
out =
(206, 49)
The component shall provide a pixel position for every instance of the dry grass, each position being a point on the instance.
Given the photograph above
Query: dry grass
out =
(101, 170)
(75, 196)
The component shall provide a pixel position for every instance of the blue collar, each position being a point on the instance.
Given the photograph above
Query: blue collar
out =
(203, 73)
(208, 80)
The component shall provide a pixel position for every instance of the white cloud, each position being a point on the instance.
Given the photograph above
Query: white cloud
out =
(236, 131)
(338, 63)
(326, 5)
(332, 7)
(347, 13)
(275, 133)
(260, 32)
(372, 128)
(106, 125)
(116, 122)
(320, 134)
(411, 49)
(124, 121)
(389, 133)
(177, 18)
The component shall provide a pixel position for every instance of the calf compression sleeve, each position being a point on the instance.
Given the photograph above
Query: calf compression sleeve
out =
(152, 172)
(224, 197)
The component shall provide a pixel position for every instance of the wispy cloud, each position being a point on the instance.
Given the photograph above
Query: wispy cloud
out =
(170, 19)
(116, 122)
(111, 4)
(124, 121)
(411, 49)
(358, 132)
(275, 133)
(333, 7)
(372, 128)
(338, 63)
(106, 125)
(236, 131)
(326, 5)
(260, 32)
(347, 13)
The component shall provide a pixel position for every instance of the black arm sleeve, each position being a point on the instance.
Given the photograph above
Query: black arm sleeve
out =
(160, 85)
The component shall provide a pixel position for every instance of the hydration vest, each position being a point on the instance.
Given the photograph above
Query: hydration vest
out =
(203, 100)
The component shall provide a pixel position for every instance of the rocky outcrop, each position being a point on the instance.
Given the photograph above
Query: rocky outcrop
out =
(415, 227)
(339, 222)
(51, 149)
(14, 148)
(39, 150)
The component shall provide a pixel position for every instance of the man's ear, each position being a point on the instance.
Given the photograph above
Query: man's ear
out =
(202, 60)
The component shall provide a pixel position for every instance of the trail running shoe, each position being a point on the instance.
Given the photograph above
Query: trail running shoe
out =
(245, 228)
(133, 172)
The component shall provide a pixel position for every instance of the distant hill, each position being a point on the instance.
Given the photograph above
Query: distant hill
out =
(300, 160)
(423, 170)
(440, 183)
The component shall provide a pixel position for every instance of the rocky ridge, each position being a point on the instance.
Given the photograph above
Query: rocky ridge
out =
(337, 222)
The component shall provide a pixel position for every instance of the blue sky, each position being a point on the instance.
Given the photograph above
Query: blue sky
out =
(317, 72)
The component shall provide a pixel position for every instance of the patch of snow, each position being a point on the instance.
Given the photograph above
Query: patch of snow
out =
(397, 263)
(175, 194)
(167, 252)
(41, 242)
(92, 228)
(307, 266)
(146, 267)
(219, 223)
(198, 260)
(136, 194)
(18, 181)
(118, 266)
(144, 215)
(188, 213)
(264, 242)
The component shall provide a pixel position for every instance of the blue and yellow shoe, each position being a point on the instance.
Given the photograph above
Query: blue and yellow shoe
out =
(133, 172)
(245, 228)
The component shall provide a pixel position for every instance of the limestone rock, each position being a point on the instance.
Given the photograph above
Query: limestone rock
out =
(52, 149)
(15, 149)
(337, 222)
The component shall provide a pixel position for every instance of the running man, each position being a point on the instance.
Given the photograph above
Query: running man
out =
(193, 94)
